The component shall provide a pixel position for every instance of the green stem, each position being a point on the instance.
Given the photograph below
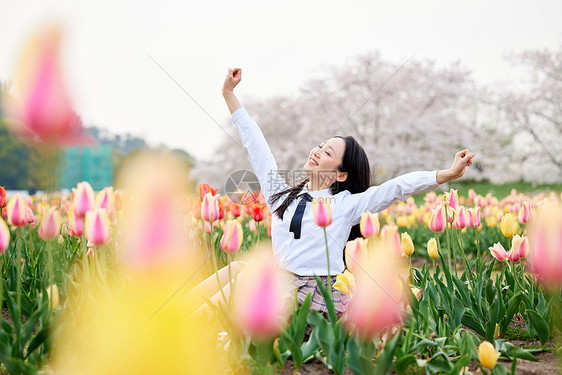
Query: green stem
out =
(328, 259)
(451, 248)
(478, 265)
(18, 265)
(213, 256)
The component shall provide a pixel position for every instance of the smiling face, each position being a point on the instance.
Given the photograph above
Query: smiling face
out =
(323, 161)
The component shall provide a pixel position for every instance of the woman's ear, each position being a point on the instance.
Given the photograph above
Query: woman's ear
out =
(341, 177)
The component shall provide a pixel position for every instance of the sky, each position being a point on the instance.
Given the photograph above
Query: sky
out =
(155, 69)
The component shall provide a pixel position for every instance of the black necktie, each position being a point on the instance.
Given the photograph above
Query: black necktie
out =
(296, 221)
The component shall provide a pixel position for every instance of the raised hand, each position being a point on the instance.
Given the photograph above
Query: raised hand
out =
(233, 78)
(462, 160)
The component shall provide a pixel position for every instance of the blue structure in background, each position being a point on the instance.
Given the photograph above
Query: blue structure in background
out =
(89, 163)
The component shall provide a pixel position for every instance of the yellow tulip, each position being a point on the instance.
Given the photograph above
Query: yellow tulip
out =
(407, 244)
(53, 294)
(432, 248)
(487, 355)
(508, 225)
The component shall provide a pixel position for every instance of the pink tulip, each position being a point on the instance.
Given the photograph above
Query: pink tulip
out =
(525, 213)
(498, 252)
(321, 211)
(83, 199)
(474, 217)
(30, 217)
(41, 107)
(545, 241)
(76, 224)
(355, 252)
(377, 300)
(50, 225)
(105, 199)
(438, 219)
(260, 303)
(232, 237)
(97, 227)
(16, 211)
(209, 208)
(520, 247)
(4, 236)
(369, 224)
(208, 228)
(461, 218)
(453, 199)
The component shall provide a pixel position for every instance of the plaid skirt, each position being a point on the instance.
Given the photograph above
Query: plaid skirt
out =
(307, 284)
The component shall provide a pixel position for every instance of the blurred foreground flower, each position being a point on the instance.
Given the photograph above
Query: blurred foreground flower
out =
(545, 240)
(377, 300)
(262, 302)
(40, 106)
(53, 294)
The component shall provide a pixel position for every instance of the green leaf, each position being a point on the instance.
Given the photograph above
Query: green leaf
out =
(513, 351)
(540, 325)
(470, 321)
(403, 363)
(356, 360)
(328, 300)
(384, 362)
(37, 340)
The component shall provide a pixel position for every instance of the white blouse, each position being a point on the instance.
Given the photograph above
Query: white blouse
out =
(307, 255)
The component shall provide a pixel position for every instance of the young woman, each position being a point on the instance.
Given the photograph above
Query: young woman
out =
(337, 169)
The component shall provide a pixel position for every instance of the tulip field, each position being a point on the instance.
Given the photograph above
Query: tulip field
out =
(103, 283)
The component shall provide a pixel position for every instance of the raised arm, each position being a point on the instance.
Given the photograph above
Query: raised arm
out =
(377, 198)
(252, 137)
(232, 79)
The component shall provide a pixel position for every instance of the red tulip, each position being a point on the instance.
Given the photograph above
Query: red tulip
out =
(204, 189)
(258, 212)
(235, 209)
(2, 197)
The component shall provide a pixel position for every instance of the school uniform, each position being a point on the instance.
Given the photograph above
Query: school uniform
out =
(305, 257)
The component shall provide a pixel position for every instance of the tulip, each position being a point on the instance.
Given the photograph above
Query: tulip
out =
(438, 220)
(209, 208)
(432, 250)
(355, 252)
(345, 282)
(97, 227)
(235, 209)
(369, 224)
(525, 213)
(417, 292)
(4, 236)
(105, 199)
(204, 189)
(453, 199)
(41, 107)
(391, 239)
(407, 244)
(321, 211)
(508, 225)
(83, 199)
(474, 217)
(498, 252)
(2, 197)
(258, 212)
(30, 217)
(260, 306)
(53, 295)
(16, 211)
(487, 355)
(232, 237)
(519, 246)
(376, 302)
(76, 224)
(208, 227)
(546, 247)
(461, 218)
(50, 225)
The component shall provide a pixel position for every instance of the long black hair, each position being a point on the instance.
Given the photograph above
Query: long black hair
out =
(354, 162)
